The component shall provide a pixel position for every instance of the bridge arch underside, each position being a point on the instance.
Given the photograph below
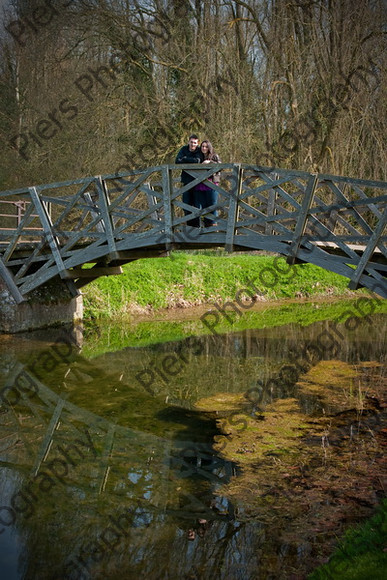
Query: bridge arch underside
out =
(86, 228)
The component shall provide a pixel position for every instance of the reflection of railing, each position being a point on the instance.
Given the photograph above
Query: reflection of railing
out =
(56, 433)
(101, 485)
(337, 223)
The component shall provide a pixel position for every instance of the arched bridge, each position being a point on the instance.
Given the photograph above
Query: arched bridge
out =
(86, 228)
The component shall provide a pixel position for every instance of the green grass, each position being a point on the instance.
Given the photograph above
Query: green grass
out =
(191, 279)
(360, 554)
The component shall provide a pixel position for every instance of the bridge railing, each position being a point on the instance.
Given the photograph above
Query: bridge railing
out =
(107, 219)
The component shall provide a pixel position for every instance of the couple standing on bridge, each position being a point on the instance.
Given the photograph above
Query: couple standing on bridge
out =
(201, 196)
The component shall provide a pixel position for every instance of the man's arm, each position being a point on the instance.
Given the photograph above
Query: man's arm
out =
(187, 156)
(180, 156)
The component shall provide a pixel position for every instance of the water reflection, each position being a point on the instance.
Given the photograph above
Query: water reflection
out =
(108, 471)
(236, 362)
(106, 492)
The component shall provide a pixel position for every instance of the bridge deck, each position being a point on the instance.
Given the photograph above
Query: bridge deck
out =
(335, 222)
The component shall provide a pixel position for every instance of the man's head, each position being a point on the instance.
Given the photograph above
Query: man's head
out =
(193, 142)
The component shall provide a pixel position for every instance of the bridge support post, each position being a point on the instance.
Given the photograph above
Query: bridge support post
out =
(52, 304)
(167, 191)
(302, 218)
(367, 254)
(234, 208)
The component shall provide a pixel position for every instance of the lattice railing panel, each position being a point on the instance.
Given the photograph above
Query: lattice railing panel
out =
(270, 202)
(136, 204)
(346, 211)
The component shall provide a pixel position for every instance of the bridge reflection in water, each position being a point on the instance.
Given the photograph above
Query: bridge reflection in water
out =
(83, 495)
(55, 230)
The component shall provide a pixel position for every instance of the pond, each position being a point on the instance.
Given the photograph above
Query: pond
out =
(162, 450)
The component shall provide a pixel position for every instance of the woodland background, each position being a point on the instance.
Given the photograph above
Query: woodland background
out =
(92, 87)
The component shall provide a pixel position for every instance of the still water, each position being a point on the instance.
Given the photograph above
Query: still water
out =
(108, 464)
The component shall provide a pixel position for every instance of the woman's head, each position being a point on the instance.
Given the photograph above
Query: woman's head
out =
(207, 149)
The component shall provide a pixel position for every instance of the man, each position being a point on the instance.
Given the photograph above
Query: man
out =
(190, 153)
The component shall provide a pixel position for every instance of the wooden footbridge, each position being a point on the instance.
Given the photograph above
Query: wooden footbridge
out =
(85, 228)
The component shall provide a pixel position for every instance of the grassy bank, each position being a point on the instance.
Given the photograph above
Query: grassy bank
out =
(360, 554)
(183, 280)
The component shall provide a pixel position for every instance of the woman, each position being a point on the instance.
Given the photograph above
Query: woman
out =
(205, 196)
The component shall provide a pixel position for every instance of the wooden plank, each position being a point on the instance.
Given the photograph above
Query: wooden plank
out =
(76, 236)
(47, 227)
(32, 281)
(249, 240)
(354, 181)
(104, 461)
(81, 282)
(8, 278)
(253, 168)
(302, 218)
(15, 237)
(103, 204)
(271, 210)
(133, 172)
(379, 288)
(233, 209)
(304, 174)
(336, 220)
(126, 210)
(47, 440)
(48, 263)
(204, 174)
(132, 255)
(97, 251)
(27, 263)
(276, 226)
(187, 166)
(270, 182)
(94, 212)
(286, 197)
(167, 191)
(69, 203)
(287, 173)
(364, 202)
(374, 241)
(262, 219)
(94, 272)
(359, 218)
(71, 286)
(371, 200)
(327, 236)
(137, 219)
(152, 202)
(132, 186)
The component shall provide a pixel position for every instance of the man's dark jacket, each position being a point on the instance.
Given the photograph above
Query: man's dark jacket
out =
(187, 156)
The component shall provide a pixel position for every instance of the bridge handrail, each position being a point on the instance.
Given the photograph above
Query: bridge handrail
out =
(220, 166)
